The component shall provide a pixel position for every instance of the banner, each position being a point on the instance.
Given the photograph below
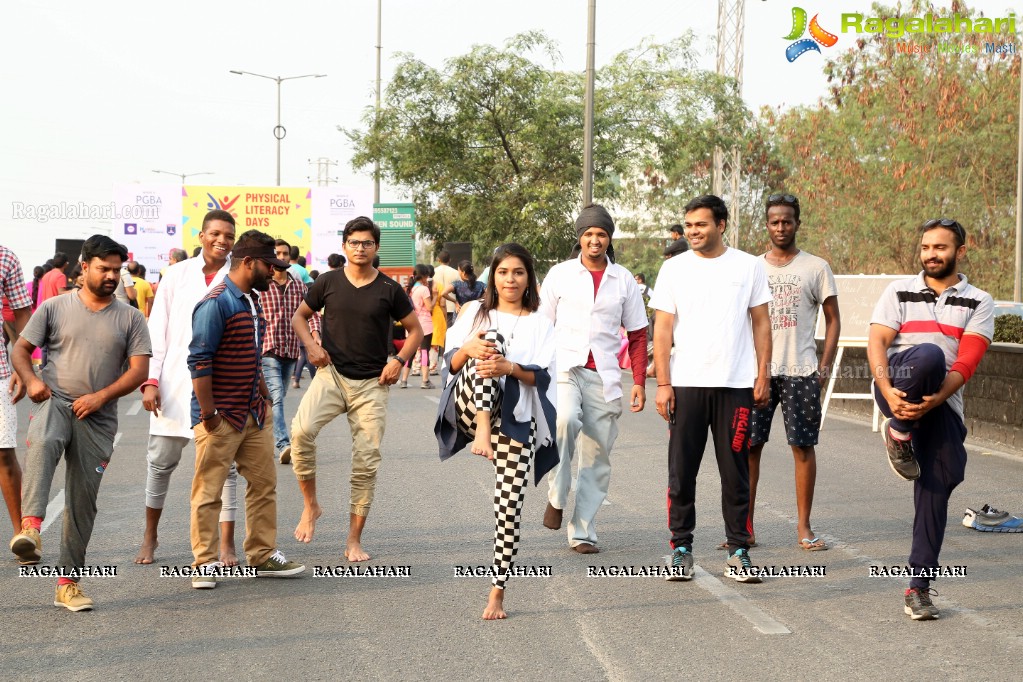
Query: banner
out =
(150, 223)
(333, 207)
(281, 212)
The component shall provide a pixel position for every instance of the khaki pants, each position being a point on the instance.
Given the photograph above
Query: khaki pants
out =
(252, 450)
(365, 402)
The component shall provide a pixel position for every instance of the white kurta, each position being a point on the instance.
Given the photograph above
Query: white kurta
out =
(170, 327)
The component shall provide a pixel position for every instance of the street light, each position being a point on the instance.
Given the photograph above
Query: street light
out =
(279, 131)
(183, 175)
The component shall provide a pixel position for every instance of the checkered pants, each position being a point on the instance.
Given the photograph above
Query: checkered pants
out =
(474, 393)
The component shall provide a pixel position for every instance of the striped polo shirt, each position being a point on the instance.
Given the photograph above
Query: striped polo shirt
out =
(227, 339)
(912, 309)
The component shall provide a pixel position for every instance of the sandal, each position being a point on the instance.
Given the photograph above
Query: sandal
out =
(813, 544)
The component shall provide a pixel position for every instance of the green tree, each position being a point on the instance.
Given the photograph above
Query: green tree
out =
(902, 138)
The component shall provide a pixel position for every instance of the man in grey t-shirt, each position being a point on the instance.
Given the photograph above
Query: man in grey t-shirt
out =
(92, 337)
(800, 284)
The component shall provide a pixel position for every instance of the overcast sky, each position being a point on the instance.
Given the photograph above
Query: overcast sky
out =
(97, 97)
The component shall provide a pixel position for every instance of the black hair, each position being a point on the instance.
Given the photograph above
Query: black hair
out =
(101, 246)
(59, 259)
(641, 277)
(783, 200)
(678, 246)
(531, 296)
(313, 274)
(361, 224)
(293, 253)
(376, 261)
(420, 273)
(217, 214)
(443, 257)
(951, 226)
(37, 274)
(714, 203)
(249, 239)
(335, 260)
(470, 274)
(431, 269)
(281, 242)
(301, 261)
(74, 274)
(142, 270)
(677, 229)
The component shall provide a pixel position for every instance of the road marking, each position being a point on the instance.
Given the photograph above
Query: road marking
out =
(134, 409)
(433, 398)
(53, 510)
(117, 437)
(761, 621)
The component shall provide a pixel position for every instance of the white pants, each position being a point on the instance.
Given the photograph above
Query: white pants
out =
(162, 456)
(587, 429)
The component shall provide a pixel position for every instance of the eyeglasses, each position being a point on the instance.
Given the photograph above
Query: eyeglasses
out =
(950, 224)
(787, 198)
(355, 244)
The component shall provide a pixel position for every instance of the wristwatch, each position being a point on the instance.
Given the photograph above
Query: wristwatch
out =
(208, 417)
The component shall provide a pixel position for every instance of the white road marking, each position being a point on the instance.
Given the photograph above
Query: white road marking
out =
(117, 437)
(134, 409)
(761, 621)
(53, 510)
(433, 398)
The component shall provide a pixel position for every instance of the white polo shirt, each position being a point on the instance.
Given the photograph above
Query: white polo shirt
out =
(584, 323)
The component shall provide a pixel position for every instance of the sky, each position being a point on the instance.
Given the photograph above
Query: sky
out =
(101, 94)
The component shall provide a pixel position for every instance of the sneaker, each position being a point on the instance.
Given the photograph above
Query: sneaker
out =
(900, 454)
(286, 455)
(991, 520)
(278, 566)
(741, 568)
(206, 582)
(681, 565)
(71, 597)
(428, 385)
(919, 605)
(27, 546)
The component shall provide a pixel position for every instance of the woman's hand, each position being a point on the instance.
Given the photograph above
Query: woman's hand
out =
(495, 366)
(478, 348)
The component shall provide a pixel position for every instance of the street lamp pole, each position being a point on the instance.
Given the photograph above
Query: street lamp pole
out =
(1017, 280)
(588, 110)
(376, 118)
(183, 175)
(279, 130)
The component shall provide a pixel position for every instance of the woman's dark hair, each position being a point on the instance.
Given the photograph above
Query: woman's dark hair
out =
(102, 246)
(420, 273)
(74, 274)
(530, 297)
(470, 274)
(37, 274)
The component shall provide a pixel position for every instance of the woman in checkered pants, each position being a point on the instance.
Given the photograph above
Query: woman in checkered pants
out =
(500, 397)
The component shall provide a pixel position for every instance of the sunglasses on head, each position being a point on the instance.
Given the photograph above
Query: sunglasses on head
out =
(950, 224)
(787, 198)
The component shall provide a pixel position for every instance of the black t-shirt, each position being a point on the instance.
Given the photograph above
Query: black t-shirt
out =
(357, 320)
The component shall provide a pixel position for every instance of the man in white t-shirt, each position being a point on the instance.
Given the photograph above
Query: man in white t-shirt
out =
(712, 303)
(801, 283)
(589, 299)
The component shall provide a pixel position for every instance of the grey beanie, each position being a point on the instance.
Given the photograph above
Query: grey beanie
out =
(594, 215)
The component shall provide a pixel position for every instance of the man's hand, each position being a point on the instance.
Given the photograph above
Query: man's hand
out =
(762, 391)
(37, 390)
(87, 404)
(212, 423)
(389, 375)
(317, 356)
(151, 399)
(638, 399)
(16, 388)
(665, 402)
(896, 403)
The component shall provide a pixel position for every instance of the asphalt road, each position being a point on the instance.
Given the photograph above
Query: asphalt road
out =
(433, 517)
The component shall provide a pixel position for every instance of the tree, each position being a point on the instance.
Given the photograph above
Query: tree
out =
(490, 147)
(902, 138)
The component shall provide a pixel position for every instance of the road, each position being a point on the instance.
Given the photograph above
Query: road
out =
(435, 516)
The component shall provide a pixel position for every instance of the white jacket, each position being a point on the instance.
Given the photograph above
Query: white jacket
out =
(170, 327)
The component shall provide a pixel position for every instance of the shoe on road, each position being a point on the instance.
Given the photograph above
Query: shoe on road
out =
(681, 565)
(278, 566)
(919, 605)
(71, 597)
(991, 520)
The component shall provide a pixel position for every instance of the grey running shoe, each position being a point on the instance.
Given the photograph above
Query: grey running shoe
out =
(991, 520)
(900, 454)
(740, 568)
(681, 565)
(919, 605)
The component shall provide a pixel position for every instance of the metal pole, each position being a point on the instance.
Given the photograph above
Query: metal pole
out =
(277, 129)
(1017, 286)
(376, 164)
(588, 115)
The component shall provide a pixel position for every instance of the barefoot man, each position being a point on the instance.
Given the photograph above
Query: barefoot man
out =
(358, 304)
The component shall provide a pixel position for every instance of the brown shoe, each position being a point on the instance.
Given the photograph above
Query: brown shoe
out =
(552, 517)
(586, 548)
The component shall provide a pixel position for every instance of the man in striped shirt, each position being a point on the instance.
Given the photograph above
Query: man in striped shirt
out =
(927, 337)
(229, 413)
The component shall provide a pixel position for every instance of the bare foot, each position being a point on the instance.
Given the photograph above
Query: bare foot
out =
(146, 552)
(355, 553)
(481, 443)
(307, 524)
(495, 605)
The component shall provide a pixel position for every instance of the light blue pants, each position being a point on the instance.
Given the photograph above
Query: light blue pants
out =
(276, 373)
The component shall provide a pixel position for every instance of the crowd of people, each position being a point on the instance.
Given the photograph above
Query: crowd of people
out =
(530, 374)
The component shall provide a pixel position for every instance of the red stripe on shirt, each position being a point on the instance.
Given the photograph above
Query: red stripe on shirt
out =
(931, 327)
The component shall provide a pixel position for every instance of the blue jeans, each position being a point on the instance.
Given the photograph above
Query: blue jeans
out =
(276, 373)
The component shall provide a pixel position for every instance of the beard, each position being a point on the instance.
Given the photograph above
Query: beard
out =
(940, 270)
(260, 282)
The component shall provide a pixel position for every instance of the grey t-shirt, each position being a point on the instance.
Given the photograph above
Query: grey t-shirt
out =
(798, 289)
(87, 350)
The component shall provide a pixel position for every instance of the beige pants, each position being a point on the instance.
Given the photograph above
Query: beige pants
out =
(365, 402)
(252, 450)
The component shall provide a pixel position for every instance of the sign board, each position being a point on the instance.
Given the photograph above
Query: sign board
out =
(857, 296)
(397, 224)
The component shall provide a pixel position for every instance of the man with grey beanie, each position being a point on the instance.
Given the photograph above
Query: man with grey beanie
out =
(587, 337)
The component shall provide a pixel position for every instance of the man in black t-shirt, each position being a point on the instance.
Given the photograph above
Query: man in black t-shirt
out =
(358, 304)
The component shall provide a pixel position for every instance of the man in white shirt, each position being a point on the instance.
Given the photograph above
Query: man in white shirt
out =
(168, 391)
(712, 302)
(589, 299)
(443, 276)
